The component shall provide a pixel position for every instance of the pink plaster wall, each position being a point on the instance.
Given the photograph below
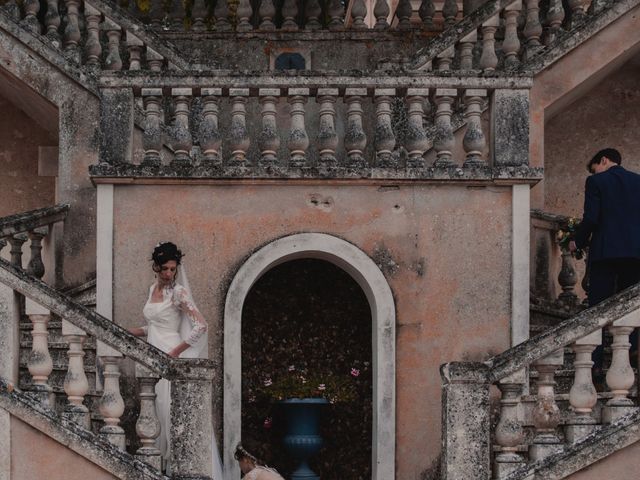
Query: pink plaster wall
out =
(34, 455)
(446, 251)
(618, 465)
(608, 115)
(20, 137)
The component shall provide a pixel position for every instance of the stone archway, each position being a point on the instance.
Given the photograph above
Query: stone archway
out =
(369, 277)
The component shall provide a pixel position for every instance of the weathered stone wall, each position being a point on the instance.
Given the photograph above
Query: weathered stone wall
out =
(36, 455)
(20, 136)
(607, 116)
(442, 249)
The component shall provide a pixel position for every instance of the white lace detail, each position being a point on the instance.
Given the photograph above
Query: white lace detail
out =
(183, 302)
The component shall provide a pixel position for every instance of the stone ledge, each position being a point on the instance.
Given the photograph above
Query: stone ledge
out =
(130, 173)
(83, 442)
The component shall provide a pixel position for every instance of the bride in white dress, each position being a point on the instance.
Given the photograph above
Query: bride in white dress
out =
(175, 326)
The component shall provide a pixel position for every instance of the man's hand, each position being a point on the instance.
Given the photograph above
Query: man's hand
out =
(572, 246)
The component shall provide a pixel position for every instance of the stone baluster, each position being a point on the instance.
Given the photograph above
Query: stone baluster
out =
(134, 46)
(620, 376)
(427, 11)
(465, 51)
(239, 136)
(221, 15)
(156, 13)
(327, 136)
(511, 42)
(449, 12)
(199, 14)
(509, 433)
(111, 404)
(35, 266)
(40, 364)
(583, 395)
(148, 425)
(181, 134)
(474, 141)
(489, 59)
(298, 142)
(12, 9)
(555, 17)
(267, 12)
(384, 139)
(567, 278)
(52, 22)
(76, 385)
(154, 60)
(16, 241)
(381, 12)
(92, 47)
(177, 15)
(546, 414)
(243, 14)
(152, 135)
(269, 139)
(416, 141)
(355, 140)
(578, 11)
(358, 14)
(72, 31)
(31, 10)
(445, 58)
(403, 13)
(113, 60)
(444, 141)
(289, 14)
(336, 13)
(209, 133)
(532, 28)
(312, 15)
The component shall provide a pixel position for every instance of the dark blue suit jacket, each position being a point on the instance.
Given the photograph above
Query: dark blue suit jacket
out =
(611, 221)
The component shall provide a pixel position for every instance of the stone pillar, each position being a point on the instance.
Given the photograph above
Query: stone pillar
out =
(509, 433)
(510, 127)
(546, 414)
(9, 332)
(489, 59)
(416, 141)
(474, 141)
(181, 133)
(444, 141)
(511, 43)
(384, 140)
(116, 125)
(583, 395)
(35, 266)
(298, 141)
(148, 425)
(134, 46)
(355, 140)
(221, 14)
(209, 134)
(111, 403)
(72, 33)
(152, 135)
(427, 11)
(289, 14)
(269, 139)
(327, 137)
(313, 12)
(267, 13)
(92, 47)
(114, 33)
(466, 426)
(465, 50)
(239, 139)
(191, 425)
(76, 385)
(40, 364)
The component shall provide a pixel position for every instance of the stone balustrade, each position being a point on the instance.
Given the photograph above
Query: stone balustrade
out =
(94, 34)
(355, 127)
(556, 271)
(225, 16)
(466, 404)
(193, 378)
(506, 34)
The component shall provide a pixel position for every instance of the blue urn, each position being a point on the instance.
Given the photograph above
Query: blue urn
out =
(302, 438)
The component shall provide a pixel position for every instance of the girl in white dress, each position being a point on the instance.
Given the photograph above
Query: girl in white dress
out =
(174, 325)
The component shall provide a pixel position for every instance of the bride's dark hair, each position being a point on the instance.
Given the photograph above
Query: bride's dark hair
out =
(165, 252)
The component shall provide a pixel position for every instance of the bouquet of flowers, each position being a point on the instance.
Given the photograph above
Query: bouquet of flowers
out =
(302, 383)
(566, 234)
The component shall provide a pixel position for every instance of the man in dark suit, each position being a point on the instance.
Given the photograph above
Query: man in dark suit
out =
(610, 226)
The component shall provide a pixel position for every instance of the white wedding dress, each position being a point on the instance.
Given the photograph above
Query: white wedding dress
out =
(169, 322)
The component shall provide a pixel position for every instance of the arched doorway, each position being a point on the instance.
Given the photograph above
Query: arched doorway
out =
(306, 331)
(372, 282)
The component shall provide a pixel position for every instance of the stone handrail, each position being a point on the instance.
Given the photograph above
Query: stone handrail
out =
(394, 127)
(191, 379)
(26, 221)
(466, 407)
(453, 49)
(80, 28)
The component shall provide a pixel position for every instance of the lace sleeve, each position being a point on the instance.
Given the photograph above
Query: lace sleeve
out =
(183, 302)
